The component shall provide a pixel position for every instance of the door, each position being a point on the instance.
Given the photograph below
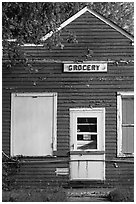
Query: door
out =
(33, 124)
(87, 140)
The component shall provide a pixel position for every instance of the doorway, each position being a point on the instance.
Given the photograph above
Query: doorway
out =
(87, 144)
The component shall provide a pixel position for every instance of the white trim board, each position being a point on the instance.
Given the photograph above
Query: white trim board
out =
(82, 11)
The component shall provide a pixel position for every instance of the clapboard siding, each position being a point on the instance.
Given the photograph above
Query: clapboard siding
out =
(121, 174)
(40, 174)
(64, 84)
(104, 41)
(82, 90)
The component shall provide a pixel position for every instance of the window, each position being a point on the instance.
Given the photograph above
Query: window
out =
(86, 133)
(33, 124)
(87, 128)
(125, 119)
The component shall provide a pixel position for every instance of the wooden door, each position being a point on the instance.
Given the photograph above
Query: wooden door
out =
(87, 142)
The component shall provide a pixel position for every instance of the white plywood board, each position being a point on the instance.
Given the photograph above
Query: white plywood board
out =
(33, 118)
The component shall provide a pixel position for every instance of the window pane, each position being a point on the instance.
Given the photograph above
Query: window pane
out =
(86, 137)
(88, 141)
(128, 110)
(86, 124)
(86, 128)
(128, 139)
(79, 137)
(87, 120)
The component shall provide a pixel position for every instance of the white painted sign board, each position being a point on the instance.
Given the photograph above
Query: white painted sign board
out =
(62, 171)
(85, 67)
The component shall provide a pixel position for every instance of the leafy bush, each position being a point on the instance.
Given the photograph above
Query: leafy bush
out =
(9, 169)
(50, 194)
(121, 195)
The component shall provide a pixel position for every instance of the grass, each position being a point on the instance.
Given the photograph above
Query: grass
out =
(50, 194)
(121, 195)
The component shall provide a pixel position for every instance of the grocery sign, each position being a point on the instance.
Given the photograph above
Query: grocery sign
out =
(85, 67)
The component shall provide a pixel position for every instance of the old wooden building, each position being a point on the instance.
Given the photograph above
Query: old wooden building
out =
(71, 118)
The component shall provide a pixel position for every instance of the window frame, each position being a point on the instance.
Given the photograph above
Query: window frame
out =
(73, 120)
(83, 142)
(120, 95)
(26, 94)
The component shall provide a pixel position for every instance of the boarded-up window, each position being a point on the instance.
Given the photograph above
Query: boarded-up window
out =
(33, 124)
(125, 124)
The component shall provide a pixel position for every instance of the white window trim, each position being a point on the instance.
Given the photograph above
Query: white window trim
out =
(119, 123)
(54, 95)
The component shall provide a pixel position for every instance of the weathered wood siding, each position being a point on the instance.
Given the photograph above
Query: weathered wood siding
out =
(74, 90)
(105, 42)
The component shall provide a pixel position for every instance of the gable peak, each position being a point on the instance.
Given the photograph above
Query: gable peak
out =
(97, 15)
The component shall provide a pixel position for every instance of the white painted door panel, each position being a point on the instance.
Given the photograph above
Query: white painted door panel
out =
(87, 167)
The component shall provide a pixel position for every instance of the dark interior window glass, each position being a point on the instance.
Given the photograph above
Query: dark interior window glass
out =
(87, 120)
(86, 128)
(79, 137)
(86, 124)
(91, 144)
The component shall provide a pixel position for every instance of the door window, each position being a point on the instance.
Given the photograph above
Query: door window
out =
(86, 133)
(87, 129)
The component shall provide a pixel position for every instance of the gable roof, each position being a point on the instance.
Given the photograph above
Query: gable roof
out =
(82, 11)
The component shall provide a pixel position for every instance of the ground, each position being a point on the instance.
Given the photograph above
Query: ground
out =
(59, 194)
(88, 194)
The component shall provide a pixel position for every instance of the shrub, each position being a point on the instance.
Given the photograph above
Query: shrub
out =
(50, 194)
(121, 195)
(9, 169)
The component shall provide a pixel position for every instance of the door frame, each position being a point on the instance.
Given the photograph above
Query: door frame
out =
(29, 94)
